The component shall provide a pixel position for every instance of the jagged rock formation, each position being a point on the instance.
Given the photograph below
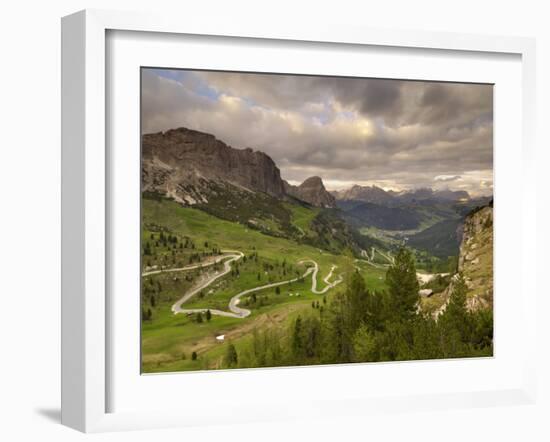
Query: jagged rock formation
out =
(186, 165)
(475, 260)
(313, 192)
(193, 167)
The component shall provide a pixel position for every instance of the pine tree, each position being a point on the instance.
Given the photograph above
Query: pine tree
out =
(455, 323)
(426, 342)
(297, 341)
(147, 249)
(403, 286)
(311, 337)
(377, 311)
(482, 331)
(357, 301)
(338, 334)
(364, 345)
(208, 315)
(456, 309)
(231, 357)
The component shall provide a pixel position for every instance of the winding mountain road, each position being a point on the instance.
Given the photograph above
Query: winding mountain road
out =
(329, 285)
(190, 267)
(234, 310)
(370, 259)
(232, 255)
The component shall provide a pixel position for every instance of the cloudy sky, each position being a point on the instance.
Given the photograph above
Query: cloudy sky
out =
(392, 133)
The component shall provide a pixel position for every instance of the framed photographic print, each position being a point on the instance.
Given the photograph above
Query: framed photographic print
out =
(288, 222)
(361, 232)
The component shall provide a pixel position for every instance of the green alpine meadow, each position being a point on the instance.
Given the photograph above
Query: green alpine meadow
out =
(304, 220)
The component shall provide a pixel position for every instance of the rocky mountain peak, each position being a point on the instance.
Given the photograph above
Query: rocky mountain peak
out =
(183, 163)
(313, 182)
(313, 192)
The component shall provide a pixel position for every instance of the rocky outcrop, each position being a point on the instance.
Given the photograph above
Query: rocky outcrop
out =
(313, 192)
(475, 260)
(184, 163)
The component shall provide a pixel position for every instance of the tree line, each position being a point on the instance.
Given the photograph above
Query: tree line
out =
(362, 325)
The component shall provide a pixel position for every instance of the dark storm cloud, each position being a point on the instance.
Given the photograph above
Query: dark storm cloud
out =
(398, 133)
(371, 97)
(381, 97)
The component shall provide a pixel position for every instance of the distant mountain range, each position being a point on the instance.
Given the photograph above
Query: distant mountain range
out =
(376, 195)
(368, 194)
(186, 165)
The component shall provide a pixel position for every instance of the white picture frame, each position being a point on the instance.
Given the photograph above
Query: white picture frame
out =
(85, 211)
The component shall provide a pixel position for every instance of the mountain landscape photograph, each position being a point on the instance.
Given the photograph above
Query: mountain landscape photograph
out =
(294, 220)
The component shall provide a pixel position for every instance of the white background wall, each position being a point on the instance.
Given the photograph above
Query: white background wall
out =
(30, 214)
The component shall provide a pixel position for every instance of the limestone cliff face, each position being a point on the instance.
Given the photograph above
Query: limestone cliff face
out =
(184, 163)
(313, 192)
(475, 260)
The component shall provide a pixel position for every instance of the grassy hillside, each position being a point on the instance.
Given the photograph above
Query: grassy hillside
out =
(382, 217)
(320, 228)
(441, 240)
(255, 209)
(192, 235)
